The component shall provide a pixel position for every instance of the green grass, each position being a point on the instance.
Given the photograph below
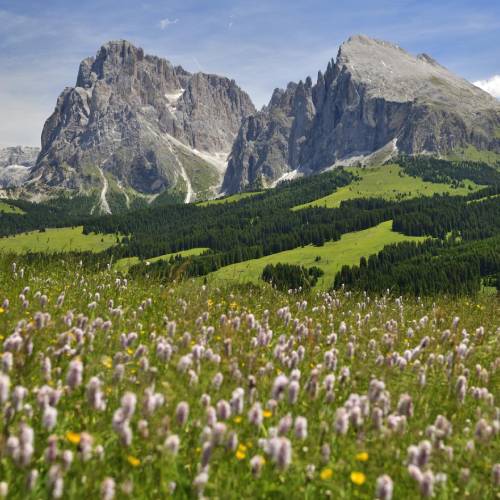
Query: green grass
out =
(241, 334)
(7, 208)
(64, 239)
(203, 175)
(387, 182)
(123, 265)
(347, 251)
(229, 199)
(488, 291)
(492, 197)
(471, 153)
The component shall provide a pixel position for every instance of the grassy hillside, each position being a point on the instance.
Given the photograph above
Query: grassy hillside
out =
(388, 182)
(492, 197)
(471, 153)
(203, 176)
(333, 255)
(229, 199)
(126, 263)
(269, 395)
(7, 208)
(65, 239)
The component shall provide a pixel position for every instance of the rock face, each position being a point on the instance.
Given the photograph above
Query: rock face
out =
(16, 164)
(374, 97)
(137, 124)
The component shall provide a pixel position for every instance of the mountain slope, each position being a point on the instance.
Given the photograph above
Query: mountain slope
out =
(374, 98)
(140, 124)
(15, 165)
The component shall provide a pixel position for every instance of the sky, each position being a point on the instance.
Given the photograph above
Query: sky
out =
(262, 44)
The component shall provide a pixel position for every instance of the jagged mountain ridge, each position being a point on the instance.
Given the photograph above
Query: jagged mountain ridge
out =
(374, 97)
(136, 123)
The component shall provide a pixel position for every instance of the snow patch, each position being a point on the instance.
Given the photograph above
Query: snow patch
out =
(172, 99)
(294, 174)
(174, 96)
(379, 156)
(127, 199)
(190, 194)
(217, 159)
(103, 202)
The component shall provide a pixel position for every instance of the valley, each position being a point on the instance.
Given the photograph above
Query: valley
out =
(329, 257)
(346, 215)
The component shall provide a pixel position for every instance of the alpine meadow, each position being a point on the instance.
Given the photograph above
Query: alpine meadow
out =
(200, 298)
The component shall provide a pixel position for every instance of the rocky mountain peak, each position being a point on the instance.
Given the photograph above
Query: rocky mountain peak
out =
(140, 124)
(374, 96)
(387, 71)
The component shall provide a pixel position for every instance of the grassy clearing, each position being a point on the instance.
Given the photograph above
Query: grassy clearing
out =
(64, 239)
(492, 197)
(471, 153)
(229, 199)
(352, 382)
(123, 265)
(347, 251)
(6, 208)
(387, 182)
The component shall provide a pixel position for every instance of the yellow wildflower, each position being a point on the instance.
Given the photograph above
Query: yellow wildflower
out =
(242, 447)
(240, 455)
(267, 413)
(133, 461)
(362, 456)
(358, 478)
(73, 437)
(326, 474)
(107, 361)
(233, 305)
(237, 419)
(2, 310)
(210, 303)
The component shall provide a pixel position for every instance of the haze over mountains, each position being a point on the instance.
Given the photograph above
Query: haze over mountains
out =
(135, 125)
(15, 165)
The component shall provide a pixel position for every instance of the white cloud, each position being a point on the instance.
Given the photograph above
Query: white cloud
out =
(165, 23)
(490, 85)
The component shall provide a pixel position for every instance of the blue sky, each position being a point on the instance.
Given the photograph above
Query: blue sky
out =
(262, 44)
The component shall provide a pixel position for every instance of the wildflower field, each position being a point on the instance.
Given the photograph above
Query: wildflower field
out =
(116, 388)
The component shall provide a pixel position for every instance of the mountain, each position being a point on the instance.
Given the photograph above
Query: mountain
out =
(15, 165)
(375, 99)
(137, 126)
